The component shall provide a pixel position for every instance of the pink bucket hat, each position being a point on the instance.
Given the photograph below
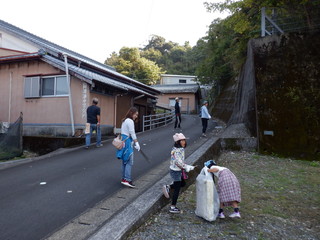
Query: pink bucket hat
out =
(178, 136)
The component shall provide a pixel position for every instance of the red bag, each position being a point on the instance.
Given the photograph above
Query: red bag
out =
(184, 174)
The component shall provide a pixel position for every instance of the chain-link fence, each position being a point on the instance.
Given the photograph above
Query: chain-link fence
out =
(298, 18)
(11, 140)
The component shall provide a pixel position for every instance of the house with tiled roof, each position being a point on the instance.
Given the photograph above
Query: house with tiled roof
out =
(53, 86)
(185, 87)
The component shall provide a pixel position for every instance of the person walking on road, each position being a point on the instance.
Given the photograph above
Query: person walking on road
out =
(126, 153)
(177, 166)
(177, 114)
(205, 116)
(228, 188)
(93, 123)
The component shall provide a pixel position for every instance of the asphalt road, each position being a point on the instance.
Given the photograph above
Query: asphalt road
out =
(38, 197)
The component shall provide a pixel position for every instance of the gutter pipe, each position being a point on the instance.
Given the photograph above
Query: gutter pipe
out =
(69, 89)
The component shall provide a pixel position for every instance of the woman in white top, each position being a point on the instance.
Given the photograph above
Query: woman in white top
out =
(128, 135)
(205, 116)
(228, 188)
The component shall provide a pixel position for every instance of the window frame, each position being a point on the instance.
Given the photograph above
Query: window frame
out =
(33, 86)
(55, 86)
(32, 89)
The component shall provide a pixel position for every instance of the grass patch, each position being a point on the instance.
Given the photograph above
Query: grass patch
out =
(280, 200)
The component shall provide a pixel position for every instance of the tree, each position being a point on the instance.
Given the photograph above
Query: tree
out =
(130, 63)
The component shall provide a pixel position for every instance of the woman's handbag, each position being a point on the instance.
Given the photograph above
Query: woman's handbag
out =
(184, 174)
(118, 142)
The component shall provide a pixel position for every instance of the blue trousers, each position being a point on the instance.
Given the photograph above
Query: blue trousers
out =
(126, 169)
(98, 135)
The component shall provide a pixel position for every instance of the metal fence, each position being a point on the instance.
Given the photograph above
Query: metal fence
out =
(281, 20)
(157, 120)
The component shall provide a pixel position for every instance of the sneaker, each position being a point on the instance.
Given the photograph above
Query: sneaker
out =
(165, 190)
(123, 181)
(204, 135)
(235, 215)
(127, 183)
(174, 210)
(221, 215)
(131, 184)
(99, 145)
(86, 147)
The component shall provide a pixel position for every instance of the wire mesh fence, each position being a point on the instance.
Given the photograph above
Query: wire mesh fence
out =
(298, 18)
(11, 140)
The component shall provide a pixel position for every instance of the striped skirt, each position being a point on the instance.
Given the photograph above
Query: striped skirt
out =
(228, 188)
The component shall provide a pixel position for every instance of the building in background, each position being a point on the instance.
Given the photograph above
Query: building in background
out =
(184, 87)
(53, 86)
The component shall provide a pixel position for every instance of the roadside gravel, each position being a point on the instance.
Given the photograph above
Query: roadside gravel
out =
(280, 200)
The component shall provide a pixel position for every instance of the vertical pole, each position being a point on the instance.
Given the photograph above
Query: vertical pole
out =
(151, 122)
(263, 22)
(21, 132)
(10, 98)
(69, 88)
(143, 119)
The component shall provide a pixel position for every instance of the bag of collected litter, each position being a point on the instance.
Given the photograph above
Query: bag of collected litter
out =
(207, 196)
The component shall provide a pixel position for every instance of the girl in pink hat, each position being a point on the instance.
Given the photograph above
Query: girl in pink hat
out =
(177, 166)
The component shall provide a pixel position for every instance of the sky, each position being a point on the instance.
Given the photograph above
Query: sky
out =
(97, 28)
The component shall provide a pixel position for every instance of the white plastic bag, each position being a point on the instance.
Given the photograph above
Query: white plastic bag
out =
(207, 196)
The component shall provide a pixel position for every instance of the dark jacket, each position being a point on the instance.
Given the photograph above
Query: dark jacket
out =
(177, 108)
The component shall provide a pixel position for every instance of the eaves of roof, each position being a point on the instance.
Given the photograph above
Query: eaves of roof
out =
(21, 57)
(175, 75)
(89, 76)
(177, 88)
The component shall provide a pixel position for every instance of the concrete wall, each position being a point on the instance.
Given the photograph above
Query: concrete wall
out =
(277, 95)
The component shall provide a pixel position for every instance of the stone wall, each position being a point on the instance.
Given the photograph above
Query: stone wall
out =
(287, 72)
(277, 95)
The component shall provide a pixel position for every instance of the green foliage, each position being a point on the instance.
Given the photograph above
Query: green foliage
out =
(129, 62)
(157, 57)
(218, 56)
(223, 51)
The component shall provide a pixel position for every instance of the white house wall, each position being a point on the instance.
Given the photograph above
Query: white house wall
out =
(11, 42)
(175, 79)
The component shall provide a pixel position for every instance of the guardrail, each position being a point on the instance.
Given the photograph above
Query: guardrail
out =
(157, 120)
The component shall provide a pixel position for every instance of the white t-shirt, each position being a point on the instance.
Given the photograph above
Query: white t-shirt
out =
(127, 128)
(220, 169)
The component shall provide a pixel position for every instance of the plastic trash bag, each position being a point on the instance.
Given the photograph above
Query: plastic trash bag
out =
(207, 196)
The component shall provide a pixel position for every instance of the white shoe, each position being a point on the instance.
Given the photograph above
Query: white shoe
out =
(235, 215)
(165, 190)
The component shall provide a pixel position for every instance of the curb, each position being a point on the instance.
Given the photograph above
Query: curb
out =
(13, 163)
(152, 199)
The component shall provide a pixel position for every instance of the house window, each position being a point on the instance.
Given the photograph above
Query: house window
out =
(45, 86)
(182, 81)
(54, 86)
(32, 87)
